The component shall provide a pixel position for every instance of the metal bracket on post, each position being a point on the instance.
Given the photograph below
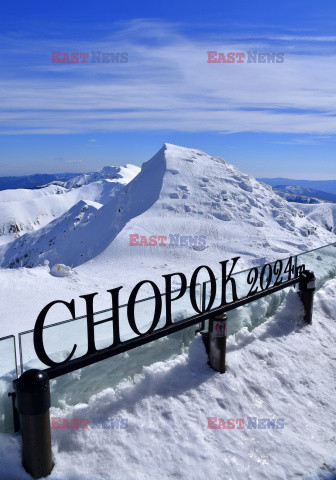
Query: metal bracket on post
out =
(217, 342)
(33, 403)
(307, 287)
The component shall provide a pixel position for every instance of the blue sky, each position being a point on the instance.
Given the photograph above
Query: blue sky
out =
(269, 119)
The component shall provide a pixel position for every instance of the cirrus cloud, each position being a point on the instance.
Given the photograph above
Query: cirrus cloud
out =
(167, 84)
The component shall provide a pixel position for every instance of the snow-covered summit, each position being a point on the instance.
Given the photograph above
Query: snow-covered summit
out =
(183, 193)
(118, 174)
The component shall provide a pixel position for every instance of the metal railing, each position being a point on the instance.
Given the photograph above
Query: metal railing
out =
(322, 260)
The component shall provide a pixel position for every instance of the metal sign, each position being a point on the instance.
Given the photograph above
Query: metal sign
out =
(269, 279)
(219, 328)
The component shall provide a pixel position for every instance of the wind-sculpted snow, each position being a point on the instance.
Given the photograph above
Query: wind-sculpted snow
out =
(322, 213)
(180, 192)
(23, 211)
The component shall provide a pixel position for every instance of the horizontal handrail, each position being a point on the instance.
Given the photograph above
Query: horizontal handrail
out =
(143, 339)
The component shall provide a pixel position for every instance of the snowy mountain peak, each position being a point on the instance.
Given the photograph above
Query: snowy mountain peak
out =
(122, 175)
(180, 193)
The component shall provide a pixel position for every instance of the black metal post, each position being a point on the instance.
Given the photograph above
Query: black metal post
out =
(205, 338)
(33, 403)
(307, 288)
(217, 342)
(16, 416)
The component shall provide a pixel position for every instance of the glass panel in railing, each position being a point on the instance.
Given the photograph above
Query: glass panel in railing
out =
(58, 341)
(60, 338)
(7, 375)
(255, 313)
(79, 386)
(144, 311)
(253, 281)
(322, 262)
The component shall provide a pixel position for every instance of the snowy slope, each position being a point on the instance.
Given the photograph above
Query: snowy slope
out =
(183, 192)
(26, 210)
(323, 213)
(328, 186)
(122, 175)
(272, 376)
(303, 194)
(55, 232)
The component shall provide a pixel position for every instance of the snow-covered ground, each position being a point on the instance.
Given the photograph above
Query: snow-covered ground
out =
(282, 370)
(181, 192)
(303, 194)
(115, 174)
(322, 213)
(24, 210)
(280, 374)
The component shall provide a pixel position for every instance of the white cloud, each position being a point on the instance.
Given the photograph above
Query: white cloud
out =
(307, 140)
(167, 84)
(62, 159)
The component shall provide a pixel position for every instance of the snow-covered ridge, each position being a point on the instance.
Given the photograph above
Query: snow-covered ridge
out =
(25, 210)
(180, 191)
(303, 194)
(117, 174)
(322, 213)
